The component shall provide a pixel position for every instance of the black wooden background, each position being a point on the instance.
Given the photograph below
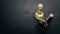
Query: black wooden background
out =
(17, 16)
